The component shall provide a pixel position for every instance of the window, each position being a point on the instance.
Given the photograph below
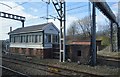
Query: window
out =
(26, 38)
(39, 38)
(21, 39)
(46, 39)
(14, 39)
(32, 38)
(55, 38)
(79, 53)
(17, 39)
(36, 38)
(49, 38)
(11, 38)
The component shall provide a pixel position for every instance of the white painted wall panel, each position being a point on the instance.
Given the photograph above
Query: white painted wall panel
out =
(48, 45)
(51, 30)
(38, 46)
(18, 45)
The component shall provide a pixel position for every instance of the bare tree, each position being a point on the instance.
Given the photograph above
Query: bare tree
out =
(79, 29)
(72, 31)
(85, 25)
(72, 28)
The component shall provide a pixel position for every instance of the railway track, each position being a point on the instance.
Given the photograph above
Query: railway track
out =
(109, 58)
(35, 67)
(109, 61)
(10, 72)
(52, 69)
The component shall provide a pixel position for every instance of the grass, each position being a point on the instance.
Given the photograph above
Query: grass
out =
(107, 52)
(99, 70)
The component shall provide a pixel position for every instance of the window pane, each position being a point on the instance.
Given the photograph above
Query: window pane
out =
(32, 38)
(10, 38)
(46, 38)
(39, 38)
(79, 53)
(26, 38)
(53, 38)
(21, 39)
(36, 38)
(49, 38)
(14, 39)
(56, 38)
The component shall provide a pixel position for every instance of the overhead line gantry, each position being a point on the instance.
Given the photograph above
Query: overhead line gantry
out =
(105, 9)
(12, 16)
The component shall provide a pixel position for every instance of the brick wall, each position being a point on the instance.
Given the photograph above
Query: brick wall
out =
(27, 52)
(72, 53)
(12, 50)
(47, 53)
(20, 51)
(40, 53)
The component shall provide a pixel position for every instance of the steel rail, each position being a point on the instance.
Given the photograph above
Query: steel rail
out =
(50, 71)
(58, 68)
(17, 72)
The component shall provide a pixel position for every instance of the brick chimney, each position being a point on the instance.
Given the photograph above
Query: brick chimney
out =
(10, 29)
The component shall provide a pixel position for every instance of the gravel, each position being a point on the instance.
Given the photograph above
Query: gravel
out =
(98, 69)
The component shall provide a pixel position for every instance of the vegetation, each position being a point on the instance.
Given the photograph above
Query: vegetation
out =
(98, 69)
(106, 52)
(105, 40)
(80, 30)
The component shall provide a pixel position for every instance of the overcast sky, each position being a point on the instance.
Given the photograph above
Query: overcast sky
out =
(34, 10)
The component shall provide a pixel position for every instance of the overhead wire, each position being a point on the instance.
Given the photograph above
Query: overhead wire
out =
(70, 9)
(76, 8)
(17, 6)
(51, 11)
(6, 5)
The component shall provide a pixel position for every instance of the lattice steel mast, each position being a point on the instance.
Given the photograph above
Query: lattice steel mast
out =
(60, 8)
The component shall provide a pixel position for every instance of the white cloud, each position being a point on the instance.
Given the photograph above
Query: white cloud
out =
(55, 22)
(102, 20)
(6, 23)
(115, 6)
(69, 20)
(33, 9)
